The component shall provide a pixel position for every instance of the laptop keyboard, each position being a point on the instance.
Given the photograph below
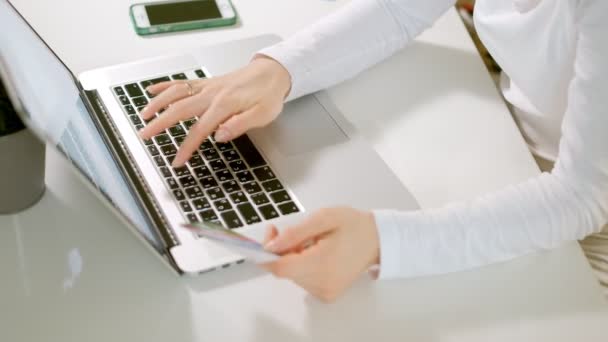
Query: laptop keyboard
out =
(226, 183)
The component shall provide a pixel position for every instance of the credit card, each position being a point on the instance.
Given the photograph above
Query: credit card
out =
(238, 243)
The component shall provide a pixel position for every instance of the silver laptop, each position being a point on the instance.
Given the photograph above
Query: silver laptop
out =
(309, 158)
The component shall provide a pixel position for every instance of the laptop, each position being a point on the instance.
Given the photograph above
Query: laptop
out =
(309, 158)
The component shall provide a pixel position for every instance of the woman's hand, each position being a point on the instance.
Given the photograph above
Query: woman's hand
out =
(229, 105)
(327, 252)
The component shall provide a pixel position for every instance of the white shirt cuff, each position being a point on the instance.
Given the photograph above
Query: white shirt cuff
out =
(390, 244)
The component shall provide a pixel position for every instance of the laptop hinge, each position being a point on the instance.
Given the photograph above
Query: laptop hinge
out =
(123, 158)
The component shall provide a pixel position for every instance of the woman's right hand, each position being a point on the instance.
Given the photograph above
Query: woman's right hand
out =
(228, 105)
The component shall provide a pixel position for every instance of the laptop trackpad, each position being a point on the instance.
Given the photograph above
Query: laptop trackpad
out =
(304, 126)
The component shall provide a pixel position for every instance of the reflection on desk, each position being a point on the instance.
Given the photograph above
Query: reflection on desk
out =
(82, 279)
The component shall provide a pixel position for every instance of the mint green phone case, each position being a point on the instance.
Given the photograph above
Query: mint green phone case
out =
(185, 26)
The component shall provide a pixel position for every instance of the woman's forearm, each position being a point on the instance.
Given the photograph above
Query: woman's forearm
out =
(351, 40)
(566, 205)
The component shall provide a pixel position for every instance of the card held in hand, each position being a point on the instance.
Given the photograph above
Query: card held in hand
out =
(238, 243)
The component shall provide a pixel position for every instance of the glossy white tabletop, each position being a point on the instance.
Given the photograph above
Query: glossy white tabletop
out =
(72, 272)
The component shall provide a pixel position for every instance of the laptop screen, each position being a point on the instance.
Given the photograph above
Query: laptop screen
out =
(52, 107)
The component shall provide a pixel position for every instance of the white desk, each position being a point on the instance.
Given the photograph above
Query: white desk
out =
(70, 272)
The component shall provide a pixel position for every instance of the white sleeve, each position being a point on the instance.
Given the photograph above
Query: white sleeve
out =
(351, 40)
(568, 204)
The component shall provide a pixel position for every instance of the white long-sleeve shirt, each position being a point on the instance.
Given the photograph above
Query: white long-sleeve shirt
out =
(555, 53)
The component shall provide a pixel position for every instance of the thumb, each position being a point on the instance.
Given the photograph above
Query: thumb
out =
(239, 124)
(271, 233)
(291, 238)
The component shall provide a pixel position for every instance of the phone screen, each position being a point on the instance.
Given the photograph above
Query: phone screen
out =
(169, 13)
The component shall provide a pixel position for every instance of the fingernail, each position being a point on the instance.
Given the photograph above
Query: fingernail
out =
(222, 135)
(272, 246)
(177, 162)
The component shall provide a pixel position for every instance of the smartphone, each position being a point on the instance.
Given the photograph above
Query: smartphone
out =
(172, 16)
(238, 243)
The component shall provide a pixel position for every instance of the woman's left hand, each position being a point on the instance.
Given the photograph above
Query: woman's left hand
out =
(326, 252)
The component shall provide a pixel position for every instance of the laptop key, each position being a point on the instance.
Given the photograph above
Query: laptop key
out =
(206, 145)
(139, 127)
(140, 101)
(177, 130)
(237, 166)
(201, 172)
(196, 161)
(187, 181)
(208, 215)
(147, 83)
(201, 204)
(244, 176)
(133, 90)
(153, 150)
(194, 192)
(264, 173)
(224, 175)
(148, 142)
(288, 208)
(162, 139)
(159, 161)
(180, 76)
(179, 195)
(135, 119)
(165, 171)
(208, 182)
(185, 206)
(232, 220)
(189, 123)
(231, 155)
(181, 171)
(280, 196)
(252, 187)
(200, 73)
(224, 146)
(192, 217)
(119, 91)
(217, 165)
(238, 197)
(140, 109)
(130, 110)
(231, 186)
(260, 199)
(215, 193)
(268, 212)
(168, 149)
(249, 151)
(222, 205)
(172, 183)
(124, 100)
(248, 213)
(272, 185)
(210, 154)
(179, 140)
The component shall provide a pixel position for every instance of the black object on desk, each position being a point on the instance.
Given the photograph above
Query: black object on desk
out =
(21, 160)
